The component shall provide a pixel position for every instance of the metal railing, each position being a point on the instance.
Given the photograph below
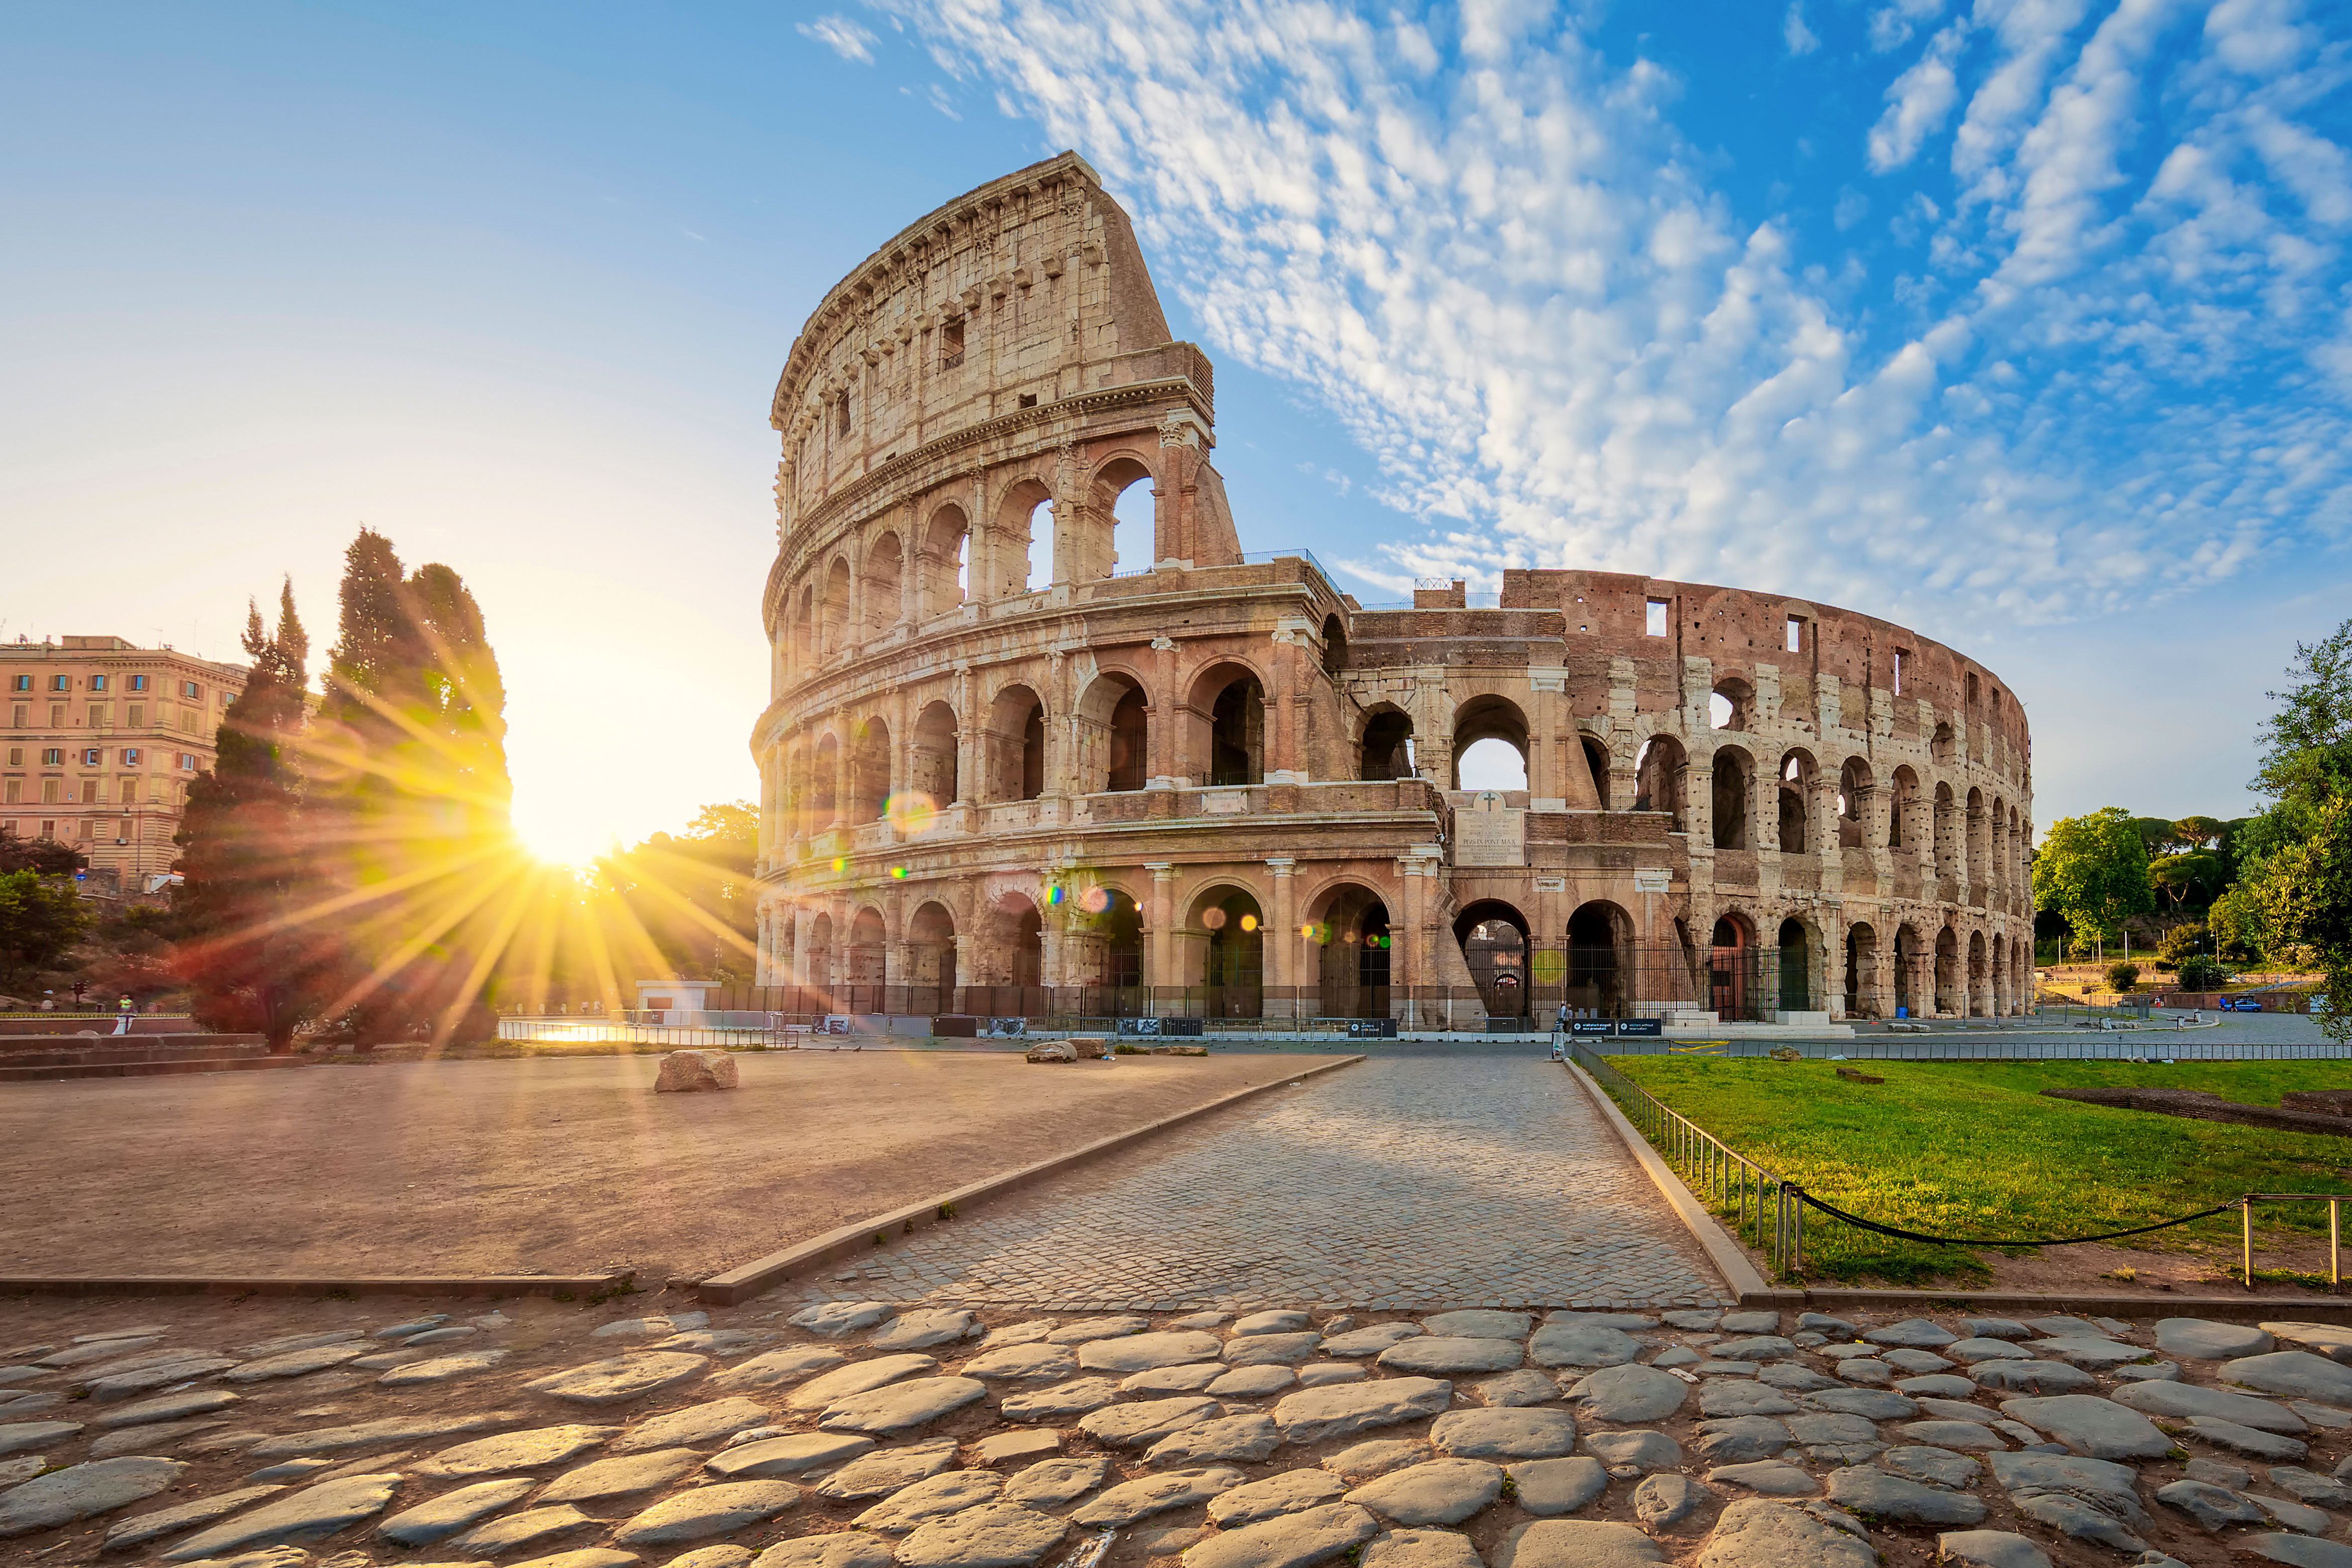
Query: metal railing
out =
(1762, 1205)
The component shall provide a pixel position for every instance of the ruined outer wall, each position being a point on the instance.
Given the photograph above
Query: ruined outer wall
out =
(1008, 351)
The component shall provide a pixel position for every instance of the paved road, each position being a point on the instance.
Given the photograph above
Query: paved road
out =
(1409, 1182)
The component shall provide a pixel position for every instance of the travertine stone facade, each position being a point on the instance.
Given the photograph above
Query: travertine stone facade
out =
(1215, 783)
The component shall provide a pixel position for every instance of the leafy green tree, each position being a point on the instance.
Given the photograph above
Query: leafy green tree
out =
(2093, 869)
(413, 800)
(255, 946)
(41, 917)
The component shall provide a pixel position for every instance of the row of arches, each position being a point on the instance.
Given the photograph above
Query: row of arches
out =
(854, 772)
(863, 590)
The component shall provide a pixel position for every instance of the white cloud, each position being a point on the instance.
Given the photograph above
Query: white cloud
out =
(1798, 37)
(1510, 281)
(842, 36)
(1919, 102)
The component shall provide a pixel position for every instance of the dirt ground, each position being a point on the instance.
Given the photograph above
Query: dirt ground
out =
(545, 1166)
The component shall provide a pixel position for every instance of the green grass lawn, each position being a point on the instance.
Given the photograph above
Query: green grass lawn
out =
(1973, 1149)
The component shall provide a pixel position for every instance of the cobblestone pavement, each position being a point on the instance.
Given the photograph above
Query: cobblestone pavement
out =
(1406, 1184)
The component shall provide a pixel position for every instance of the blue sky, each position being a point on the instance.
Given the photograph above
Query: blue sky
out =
(2025, 324)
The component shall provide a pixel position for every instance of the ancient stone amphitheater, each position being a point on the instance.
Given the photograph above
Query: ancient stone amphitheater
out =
(1009, 770)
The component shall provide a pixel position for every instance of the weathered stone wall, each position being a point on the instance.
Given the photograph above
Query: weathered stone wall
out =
(973, 780)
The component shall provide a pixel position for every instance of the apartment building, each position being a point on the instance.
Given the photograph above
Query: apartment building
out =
(102, 738)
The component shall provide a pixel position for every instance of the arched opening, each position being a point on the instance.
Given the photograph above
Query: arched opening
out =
(1732, 706)
(1388, 746)
(930, 960)
(1659, 776)
(1228, 723)
(1335, 645)
(931, 759)
(1017, 745)
(1599, 965)
(1232, 970)
(869, 770)
(1795, 787)
(1490, 745)
(1493, 937)
(1854, 799)
(1795, 960)
(864, 976)
(1115, 926)
(1730, 961)
(1730, 789)
(1596, 762)
(885, 564)
(946, 560)
(1908, 955)
(835, 626)
(823, 783)
(1861, 972)
(1113, 734)
(1948, 973)
(1125, 494)
(1353, 952)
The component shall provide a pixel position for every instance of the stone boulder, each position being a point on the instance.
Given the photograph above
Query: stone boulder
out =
(1052, 1051)
(684, 1072)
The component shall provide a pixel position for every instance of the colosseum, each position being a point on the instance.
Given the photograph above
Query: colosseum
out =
(1009, 771)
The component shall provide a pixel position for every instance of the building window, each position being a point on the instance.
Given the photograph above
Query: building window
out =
(1656, 624)
(137, 718)
(138, 683)
(1796, 641)
(61, 683)
(53, 757)
(98, 683)
(191, 690)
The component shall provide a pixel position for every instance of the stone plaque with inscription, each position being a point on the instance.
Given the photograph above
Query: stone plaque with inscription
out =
(1488, 833)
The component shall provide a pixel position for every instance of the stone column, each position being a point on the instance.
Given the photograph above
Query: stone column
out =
(1282, 936)
(1160, 938)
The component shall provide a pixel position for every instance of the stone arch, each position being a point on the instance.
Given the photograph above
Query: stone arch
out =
(1018, 552)
(823, 780)
(931, 755)
(1225, 725)
(946, 560)
(1498, 945)
(1231, 926)
(1734, 784)
(1355, 948)
(885, 571)
(1113, 545)
(1660, 775)
(1114, 733)
(1795, 790)
(1335, 645)
(1489, 717)
(1854, 798)
(931, 976)
(1384, 749)
(832, 625)
(1732, 704)
(1861, 999)
(869, 769)
(1015, 744)
(1599, 974)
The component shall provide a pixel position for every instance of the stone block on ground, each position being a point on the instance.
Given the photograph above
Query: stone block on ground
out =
(684, 1072)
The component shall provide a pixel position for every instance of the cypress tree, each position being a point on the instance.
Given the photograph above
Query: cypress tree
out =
(257, 951)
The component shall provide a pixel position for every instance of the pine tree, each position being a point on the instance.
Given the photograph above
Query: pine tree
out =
(414, 795)
(257, 951)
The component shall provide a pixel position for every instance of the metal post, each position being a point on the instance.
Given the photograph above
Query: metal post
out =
(2246, 1228)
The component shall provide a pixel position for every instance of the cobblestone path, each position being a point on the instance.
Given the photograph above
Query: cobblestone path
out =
(1407, 1183)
